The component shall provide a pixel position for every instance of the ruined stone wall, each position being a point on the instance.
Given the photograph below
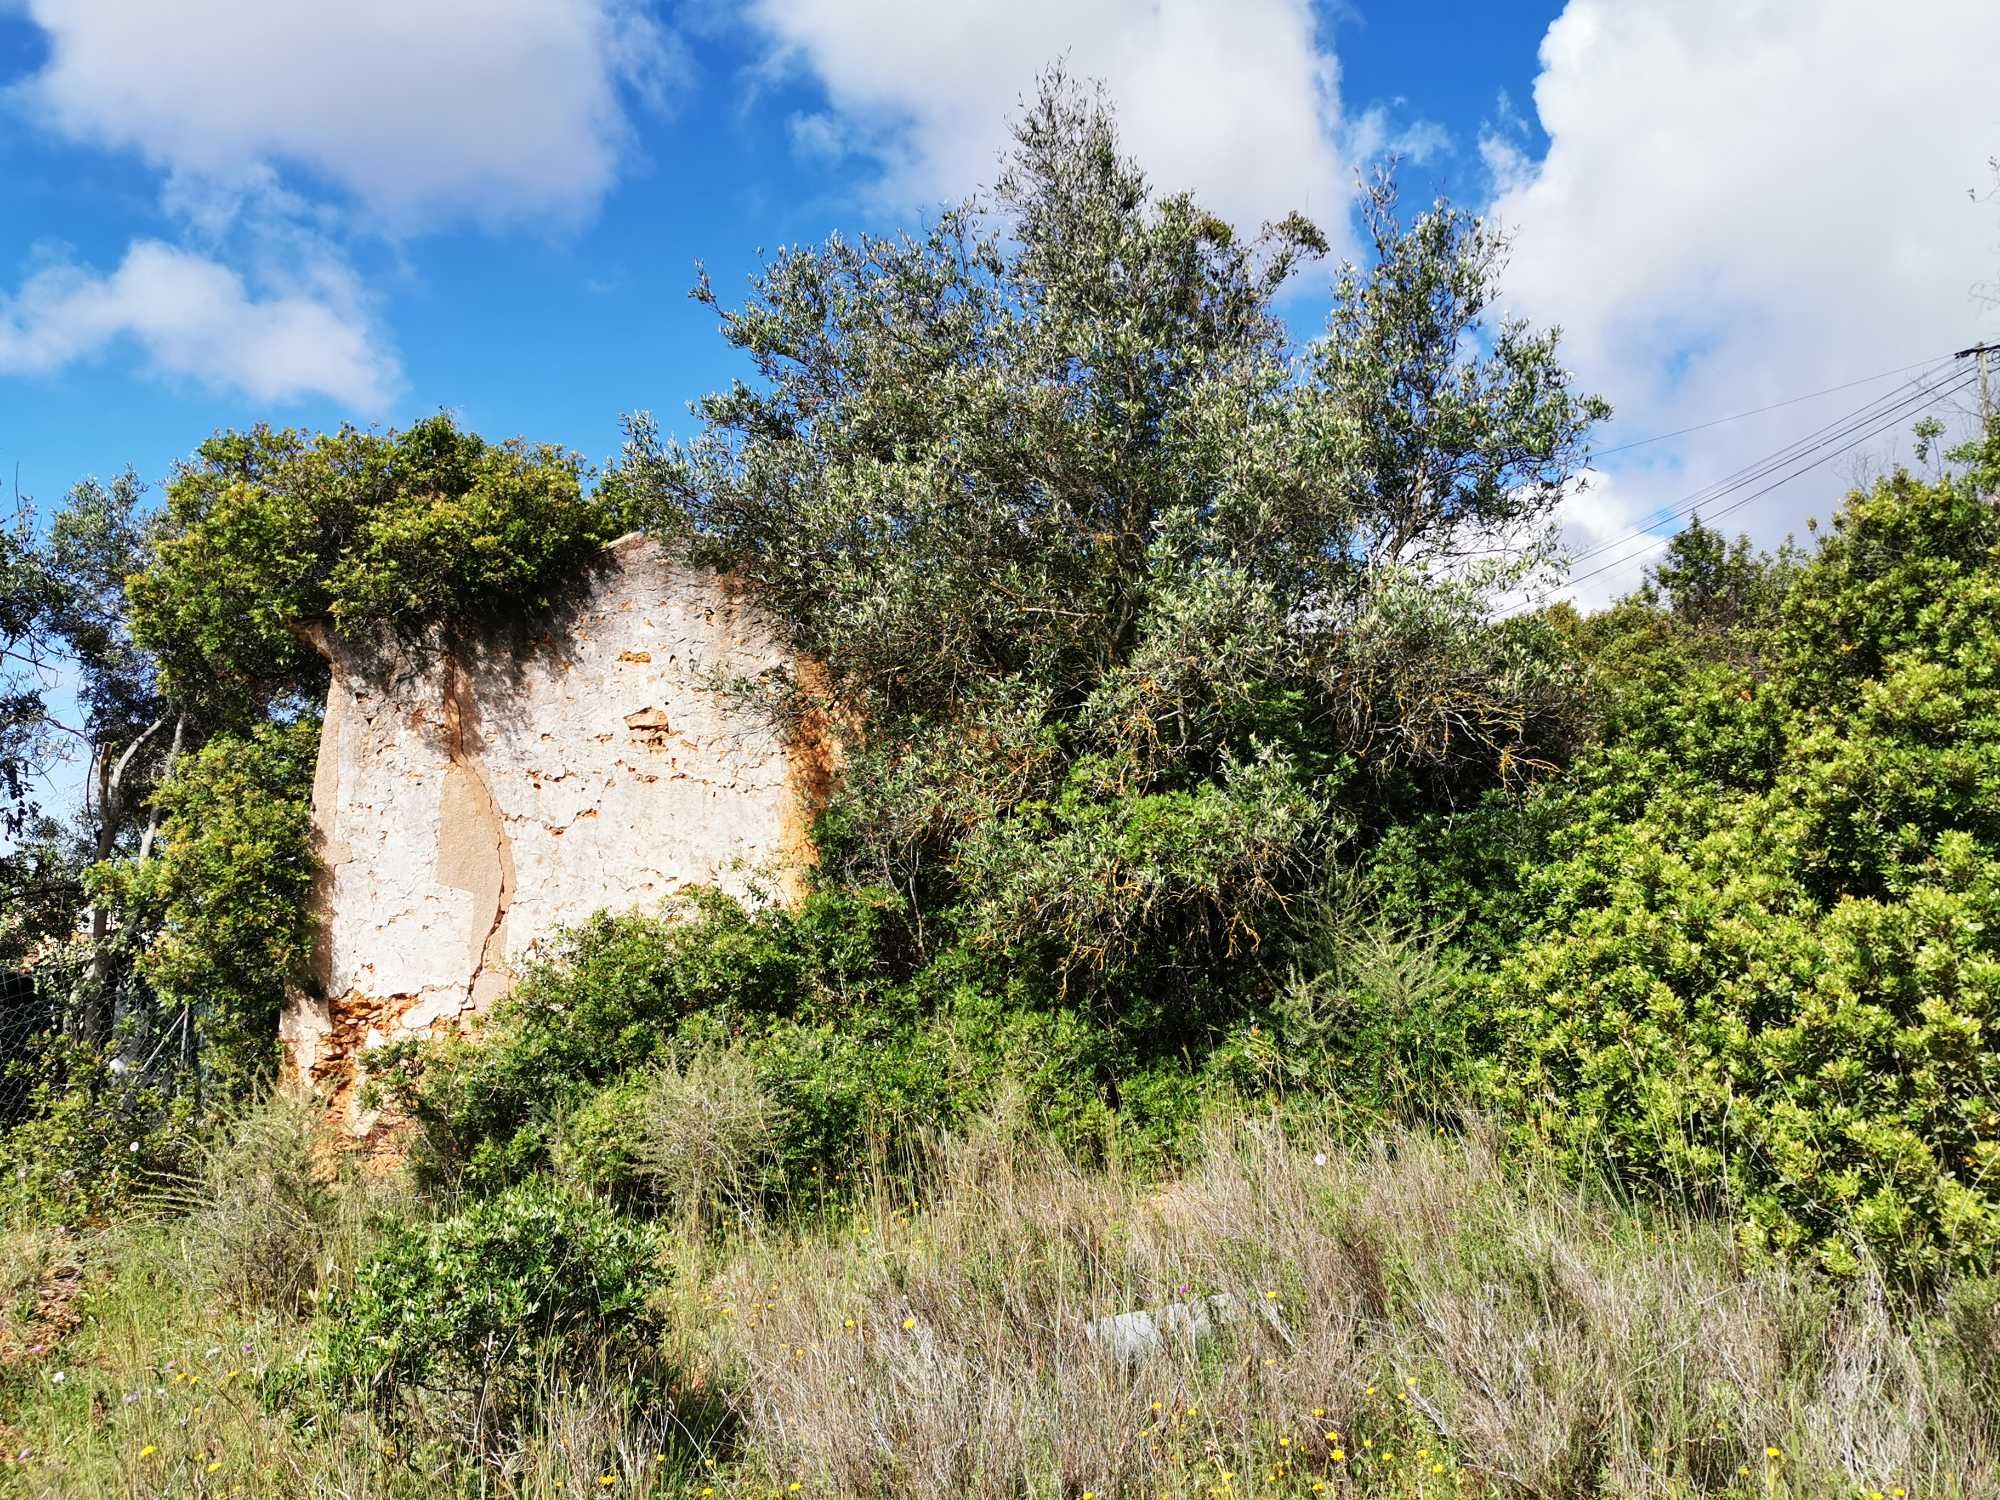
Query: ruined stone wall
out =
(471, 801)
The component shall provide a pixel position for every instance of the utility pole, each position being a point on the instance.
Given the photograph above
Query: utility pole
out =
(1980, 353)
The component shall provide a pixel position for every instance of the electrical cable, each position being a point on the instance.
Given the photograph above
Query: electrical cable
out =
(1877, 423)
(1774, 406)
(1777, 458)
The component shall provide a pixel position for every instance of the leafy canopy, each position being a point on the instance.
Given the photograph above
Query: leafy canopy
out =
(268, 530)
(1758, 926)
(1125, 588)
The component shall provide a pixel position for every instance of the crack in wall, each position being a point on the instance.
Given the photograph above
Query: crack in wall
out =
(461, 721)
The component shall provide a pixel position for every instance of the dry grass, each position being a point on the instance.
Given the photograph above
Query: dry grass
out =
(264, 1216)
(708, 1130)
(1496, 1332)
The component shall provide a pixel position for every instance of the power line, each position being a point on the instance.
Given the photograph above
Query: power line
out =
(1875, 424)
(1752, 471)
(1904, 408)
(1774, 406)
(1808, 442)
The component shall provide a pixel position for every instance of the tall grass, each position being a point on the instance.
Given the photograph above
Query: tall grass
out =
(1417, 1318)
(1497, 1331)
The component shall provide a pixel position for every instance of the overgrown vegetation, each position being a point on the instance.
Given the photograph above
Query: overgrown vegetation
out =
(1418, 1316)
(163, 947)
(1562, 1042)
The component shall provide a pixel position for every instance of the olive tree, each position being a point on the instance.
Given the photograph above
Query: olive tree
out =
(1122, 596)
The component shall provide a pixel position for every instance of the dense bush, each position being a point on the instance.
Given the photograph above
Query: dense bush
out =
(268, 530)
(475, 1304)
(92, 1132)
(1127, 602)
(228, 894)
(816, 1012)
(1764, 962)
(623, 994)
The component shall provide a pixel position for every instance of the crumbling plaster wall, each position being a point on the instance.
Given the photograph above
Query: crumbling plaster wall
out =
(469, 801)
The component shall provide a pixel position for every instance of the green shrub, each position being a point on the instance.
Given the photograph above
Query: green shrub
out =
(267, 530)
(475, 1304)
(815, 1014)
(599, 1144)
(228, 896)
(1767, 962)
(94, 1133)
(709, 1133)
(618, 995)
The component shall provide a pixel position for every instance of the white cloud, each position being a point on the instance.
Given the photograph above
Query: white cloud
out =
(492, 109)
(1373, 133)
(817, 136)
(195, 319)
(1741, 203)
(1235, 99)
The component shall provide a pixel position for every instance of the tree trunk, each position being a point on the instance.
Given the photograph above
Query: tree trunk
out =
(96, 1003)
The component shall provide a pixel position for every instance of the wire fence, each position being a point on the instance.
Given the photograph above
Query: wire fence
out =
(25, 1019)
(150, 1057)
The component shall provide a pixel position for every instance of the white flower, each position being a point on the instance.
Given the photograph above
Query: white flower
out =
(133, 1148)
(58, 1378)
(118, 1065)
(1319, 1158)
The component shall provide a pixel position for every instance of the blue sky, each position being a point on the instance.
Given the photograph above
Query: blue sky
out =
(222, 211)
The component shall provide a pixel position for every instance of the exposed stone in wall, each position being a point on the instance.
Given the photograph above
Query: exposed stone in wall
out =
(470, 801)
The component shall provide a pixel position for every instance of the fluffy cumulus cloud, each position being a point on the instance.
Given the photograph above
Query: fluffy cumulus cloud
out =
(193, 318)
(287, 130)
(1236, 99)
(1740, 203)
(496, 109)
